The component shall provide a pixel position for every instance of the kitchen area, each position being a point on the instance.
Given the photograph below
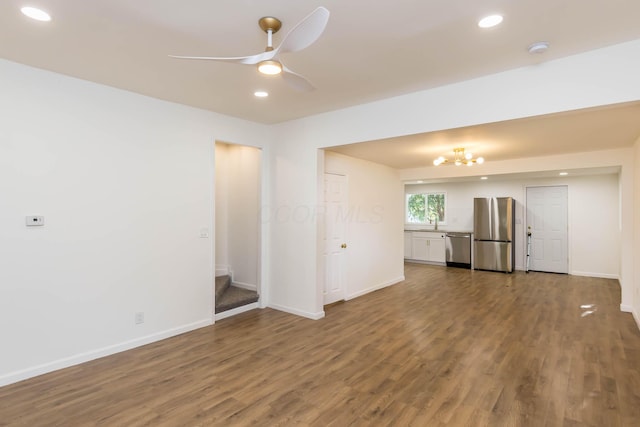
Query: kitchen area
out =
(592, 199)
(491, 243)
(439, 247)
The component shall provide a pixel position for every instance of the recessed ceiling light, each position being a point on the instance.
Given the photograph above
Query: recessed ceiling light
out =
(564, 173)
(538, 47)
(484, 178)
(261, 94)
(35, 13)
(490, 21)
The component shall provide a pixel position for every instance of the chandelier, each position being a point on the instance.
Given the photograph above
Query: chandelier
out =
(459, 158)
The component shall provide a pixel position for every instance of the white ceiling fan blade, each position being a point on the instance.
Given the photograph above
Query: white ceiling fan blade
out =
(249, 60)
(305, 32)
(296, 81)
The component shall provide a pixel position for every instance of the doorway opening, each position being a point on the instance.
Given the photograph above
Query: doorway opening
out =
(238, 229)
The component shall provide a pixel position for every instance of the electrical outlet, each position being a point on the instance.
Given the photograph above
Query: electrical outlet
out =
(139, 317)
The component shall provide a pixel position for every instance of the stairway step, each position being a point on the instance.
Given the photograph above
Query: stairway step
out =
(222, 284)
(235, 297)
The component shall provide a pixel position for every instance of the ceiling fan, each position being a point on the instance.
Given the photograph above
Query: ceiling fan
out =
(305, 33)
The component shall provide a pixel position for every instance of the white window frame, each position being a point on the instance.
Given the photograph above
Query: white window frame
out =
(426, 194)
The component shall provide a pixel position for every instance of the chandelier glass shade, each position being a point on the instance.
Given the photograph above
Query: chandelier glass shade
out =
(460, 157)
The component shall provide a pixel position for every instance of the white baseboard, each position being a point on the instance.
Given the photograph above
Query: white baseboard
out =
(247, 286)
(629, 309)
(237, 310)
(308, 315)
(222, 270)
(374, 288)
(598, 275)
(77, 359)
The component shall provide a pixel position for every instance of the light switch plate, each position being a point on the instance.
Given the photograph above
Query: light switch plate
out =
(33, 220)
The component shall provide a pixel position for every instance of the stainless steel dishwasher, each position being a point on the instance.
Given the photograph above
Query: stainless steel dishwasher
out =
(458, 249)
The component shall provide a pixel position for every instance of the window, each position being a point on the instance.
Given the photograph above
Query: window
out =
(426, 208)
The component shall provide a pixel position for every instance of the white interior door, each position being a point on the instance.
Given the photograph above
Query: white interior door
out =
(547, 222)
(335, 243)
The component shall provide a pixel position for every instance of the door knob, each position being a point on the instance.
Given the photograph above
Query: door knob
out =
(343, 246)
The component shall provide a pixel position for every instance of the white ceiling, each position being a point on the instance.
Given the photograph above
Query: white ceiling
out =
(370, 50)
(592, 129)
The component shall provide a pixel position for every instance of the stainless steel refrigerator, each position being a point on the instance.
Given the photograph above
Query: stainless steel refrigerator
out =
(493, 233)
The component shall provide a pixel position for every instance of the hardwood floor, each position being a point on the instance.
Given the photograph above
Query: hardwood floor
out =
(446, 347)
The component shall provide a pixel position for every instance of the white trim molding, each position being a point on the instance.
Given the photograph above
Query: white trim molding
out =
(237, 310)
(598, 275)
(375, 288)
(308, 315)
(222, 270)
(629, 309)
(77, 359)
(247, 286)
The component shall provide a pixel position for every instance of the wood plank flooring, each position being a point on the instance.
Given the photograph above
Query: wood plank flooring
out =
(445, 347)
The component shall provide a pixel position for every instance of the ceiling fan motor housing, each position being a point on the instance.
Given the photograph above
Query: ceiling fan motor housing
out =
(270, 23)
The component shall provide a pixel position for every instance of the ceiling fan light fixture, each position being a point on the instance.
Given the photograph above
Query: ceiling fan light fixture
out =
(301, 36)
(270, 67)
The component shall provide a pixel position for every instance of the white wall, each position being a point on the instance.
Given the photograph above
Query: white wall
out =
(291, 218)
(594, 78)
(221, 210)
(374, 226)
(635, 300)
(125, 184)
(593, 209)
(238, 212)
(594, 226)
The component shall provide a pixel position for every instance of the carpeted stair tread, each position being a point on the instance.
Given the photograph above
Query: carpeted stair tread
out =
(222, 284)
(235, 297)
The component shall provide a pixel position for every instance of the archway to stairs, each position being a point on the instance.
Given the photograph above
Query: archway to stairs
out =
(237, 225)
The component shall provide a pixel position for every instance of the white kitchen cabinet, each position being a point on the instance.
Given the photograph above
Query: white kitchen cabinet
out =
(408, 244)
(437, 252)
(427, 246)
(420, 248)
